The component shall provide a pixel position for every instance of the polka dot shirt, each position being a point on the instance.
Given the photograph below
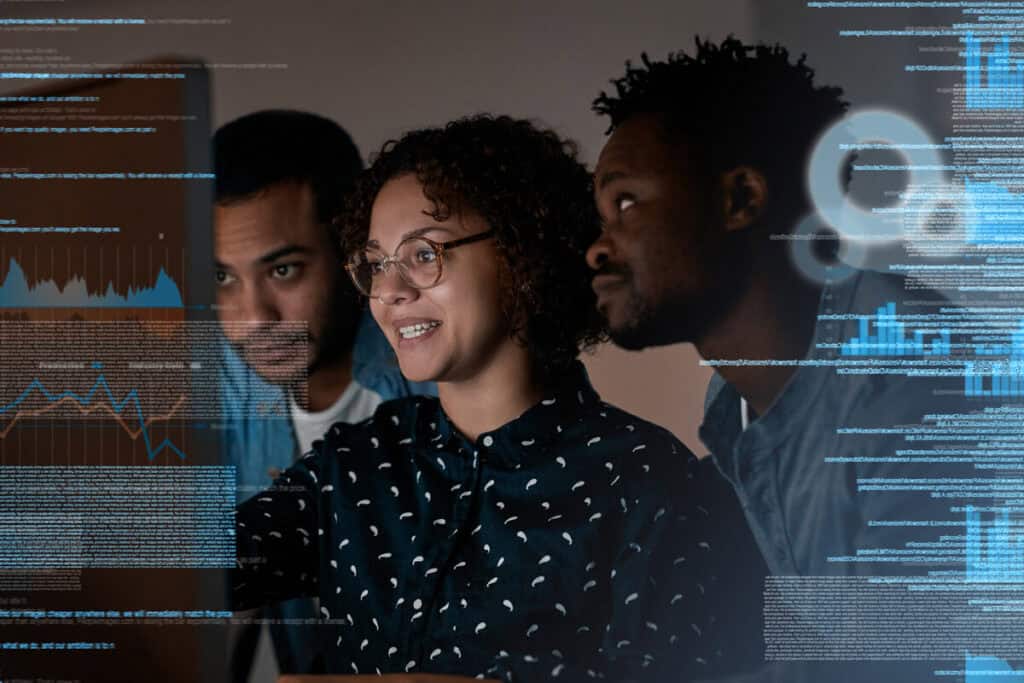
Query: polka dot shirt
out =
(561, 546)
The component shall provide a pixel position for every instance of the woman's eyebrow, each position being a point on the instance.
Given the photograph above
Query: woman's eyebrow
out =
(425, 229)
(415, 233)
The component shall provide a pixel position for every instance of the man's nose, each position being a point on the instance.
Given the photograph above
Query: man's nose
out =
(259, 306)
(599, 252)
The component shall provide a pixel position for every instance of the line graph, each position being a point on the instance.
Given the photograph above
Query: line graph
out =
(113, 406)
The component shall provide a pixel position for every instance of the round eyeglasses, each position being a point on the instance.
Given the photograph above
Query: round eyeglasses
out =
(419, 261)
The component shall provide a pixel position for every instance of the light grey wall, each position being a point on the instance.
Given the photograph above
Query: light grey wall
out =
(869, 69)
(383, 67)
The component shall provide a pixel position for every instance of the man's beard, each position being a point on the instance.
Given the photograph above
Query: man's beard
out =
(640, 330)
(679, 317)
(675, 322)
(277, 352)
(336, 339)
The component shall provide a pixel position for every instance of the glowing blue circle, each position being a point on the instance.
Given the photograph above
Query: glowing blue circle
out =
(851, 255)
(824, 171)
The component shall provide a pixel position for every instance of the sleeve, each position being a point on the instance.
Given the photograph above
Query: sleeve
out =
(277, 548)
(660, 623)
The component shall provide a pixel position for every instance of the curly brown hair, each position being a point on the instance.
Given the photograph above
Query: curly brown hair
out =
(527, 183)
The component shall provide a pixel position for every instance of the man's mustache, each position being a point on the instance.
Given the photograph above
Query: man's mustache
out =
(614, 269)
(262, 336)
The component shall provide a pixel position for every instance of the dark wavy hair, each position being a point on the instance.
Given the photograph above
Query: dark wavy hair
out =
(266, 148)
(527, 183)
(742, 104)
(273, 146)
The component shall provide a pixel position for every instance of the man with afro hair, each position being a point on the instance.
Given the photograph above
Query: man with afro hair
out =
(700, 186)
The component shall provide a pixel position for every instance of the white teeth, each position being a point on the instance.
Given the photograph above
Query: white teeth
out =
(419, 329)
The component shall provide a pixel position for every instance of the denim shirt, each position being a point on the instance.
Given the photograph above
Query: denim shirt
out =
(800, 471)
(796, 475)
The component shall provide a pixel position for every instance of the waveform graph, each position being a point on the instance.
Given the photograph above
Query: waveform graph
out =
(140, 282)
(981, 669)
(113, 392)
(15, 292)
(112, 226)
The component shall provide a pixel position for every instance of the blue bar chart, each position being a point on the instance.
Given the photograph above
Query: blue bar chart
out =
(884, 335)
(1003, 85)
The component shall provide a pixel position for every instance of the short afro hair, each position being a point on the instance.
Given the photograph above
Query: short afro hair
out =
(265, 148)
(743, 105)
(528, 185)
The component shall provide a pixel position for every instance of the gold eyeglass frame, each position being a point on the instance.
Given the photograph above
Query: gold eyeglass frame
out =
(439, 251)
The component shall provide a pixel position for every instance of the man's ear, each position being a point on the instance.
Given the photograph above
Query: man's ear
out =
(744, 197)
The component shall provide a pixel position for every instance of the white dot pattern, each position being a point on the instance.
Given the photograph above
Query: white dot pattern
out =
(547, 550)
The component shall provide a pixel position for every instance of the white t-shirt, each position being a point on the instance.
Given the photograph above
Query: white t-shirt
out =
(355, 404)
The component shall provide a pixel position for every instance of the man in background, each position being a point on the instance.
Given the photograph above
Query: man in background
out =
(302, 353)
(705, 165)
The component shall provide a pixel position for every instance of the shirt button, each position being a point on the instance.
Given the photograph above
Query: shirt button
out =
(488, 440)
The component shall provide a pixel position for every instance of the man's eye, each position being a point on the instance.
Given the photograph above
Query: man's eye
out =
(223, 278)
(285, 271)
(624, 201)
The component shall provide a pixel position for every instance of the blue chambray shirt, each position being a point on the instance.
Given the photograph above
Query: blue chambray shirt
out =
(801, 502)
(257, 431)
(796, 475)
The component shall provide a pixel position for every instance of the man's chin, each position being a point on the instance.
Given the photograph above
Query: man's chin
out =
(629, 337)
(627, 324)
(283, 366)
(282, 377)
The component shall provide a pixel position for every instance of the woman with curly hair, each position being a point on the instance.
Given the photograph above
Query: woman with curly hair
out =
(516, 527)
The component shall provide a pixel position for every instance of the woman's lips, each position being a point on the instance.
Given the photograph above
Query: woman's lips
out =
(412, 332)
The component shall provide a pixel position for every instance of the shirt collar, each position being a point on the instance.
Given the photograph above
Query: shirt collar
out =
(567, 401)
(721, 430)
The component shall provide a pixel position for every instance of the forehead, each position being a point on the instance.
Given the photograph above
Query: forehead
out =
(642, 146)
(401, 207)
(285, 212)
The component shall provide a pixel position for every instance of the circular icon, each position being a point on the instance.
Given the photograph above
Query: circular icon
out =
(825, 176)
(823, 255)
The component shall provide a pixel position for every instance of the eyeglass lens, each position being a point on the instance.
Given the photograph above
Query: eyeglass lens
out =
(416, 259)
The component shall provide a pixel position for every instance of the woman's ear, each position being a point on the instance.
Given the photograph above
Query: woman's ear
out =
(744, 197)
